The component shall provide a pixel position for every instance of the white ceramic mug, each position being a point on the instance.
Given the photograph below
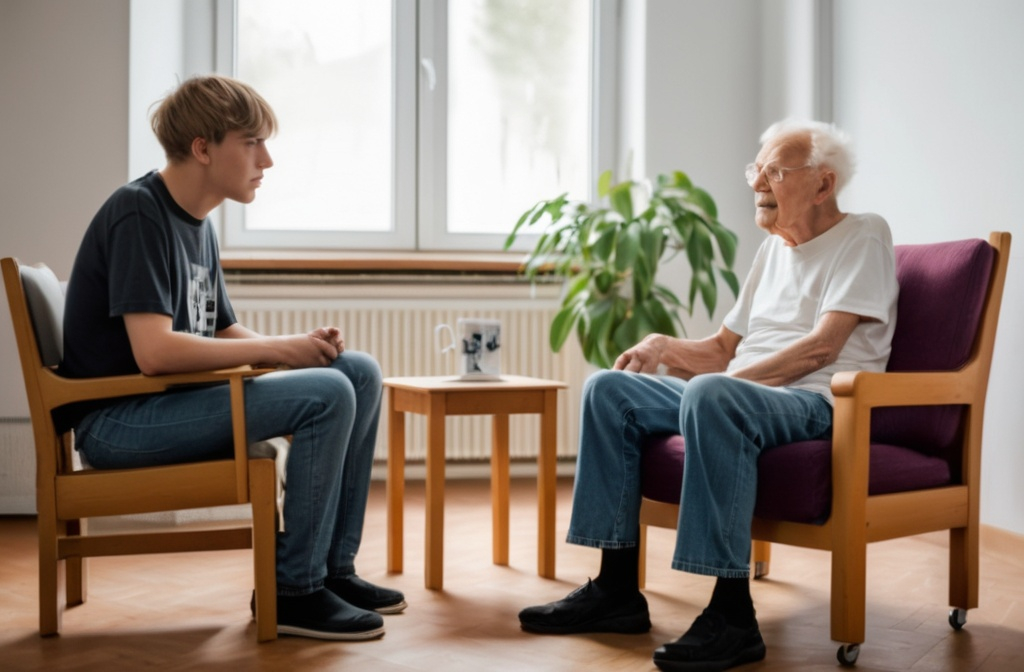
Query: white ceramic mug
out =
(477, 345)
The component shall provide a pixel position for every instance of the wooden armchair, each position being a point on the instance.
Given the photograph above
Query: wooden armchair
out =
(67, 497)
(905, 454)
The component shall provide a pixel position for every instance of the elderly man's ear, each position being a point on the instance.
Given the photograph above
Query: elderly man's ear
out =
(826, 187)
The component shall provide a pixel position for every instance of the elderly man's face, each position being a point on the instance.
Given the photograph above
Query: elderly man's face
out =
(783, 208)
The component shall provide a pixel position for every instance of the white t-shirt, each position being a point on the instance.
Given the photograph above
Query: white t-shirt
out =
(849, 268)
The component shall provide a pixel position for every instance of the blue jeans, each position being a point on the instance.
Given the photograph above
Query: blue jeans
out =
(332, 414)
(726, 422)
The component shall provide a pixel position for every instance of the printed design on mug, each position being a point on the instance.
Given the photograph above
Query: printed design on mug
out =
(476, 348)
(479, 355)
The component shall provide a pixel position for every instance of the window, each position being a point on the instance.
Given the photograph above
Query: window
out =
(419, 124)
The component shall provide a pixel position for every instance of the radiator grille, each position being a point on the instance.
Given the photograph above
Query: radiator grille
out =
(400, 335)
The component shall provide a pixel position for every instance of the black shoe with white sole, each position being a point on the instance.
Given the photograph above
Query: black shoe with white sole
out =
(324, 615)
(365, 595)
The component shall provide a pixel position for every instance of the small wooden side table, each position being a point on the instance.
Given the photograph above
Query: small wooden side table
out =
(440, 396)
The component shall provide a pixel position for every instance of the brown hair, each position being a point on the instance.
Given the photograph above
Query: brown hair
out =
(209, 107)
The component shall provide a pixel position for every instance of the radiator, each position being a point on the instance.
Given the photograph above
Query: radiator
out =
(395, 324)
(17, 466)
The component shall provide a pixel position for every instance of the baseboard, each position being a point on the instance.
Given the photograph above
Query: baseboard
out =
(417, 471)
(1004, 543)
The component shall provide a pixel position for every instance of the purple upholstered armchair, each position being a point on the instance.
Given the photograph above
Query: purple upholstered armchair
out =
(905, 454)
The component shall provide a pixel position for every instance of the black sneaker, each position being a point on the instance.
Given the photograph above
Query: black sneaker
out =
(365, 595)
(589, 608)
(710, 645)
(324, 615)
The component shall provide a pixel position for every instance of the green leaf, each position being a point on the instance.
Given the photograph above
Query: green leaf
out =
(727, 243)
(699, 248)
(515, 229)
(683, 224)
(605, 244)
(562, 326)
(703, 199)
(554, 208)
(575, 286)
(604, 184)
(603, 281)
(627, 248)
(667, 295)
(731, 280)
(621, 198)
(597, 332)
(680, 179)
(643, 278)
(708, 291)
(662, 321)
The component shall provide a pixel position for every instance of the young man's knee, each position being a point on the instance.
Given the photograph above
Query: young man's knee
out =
(329, 387)
(362, 369)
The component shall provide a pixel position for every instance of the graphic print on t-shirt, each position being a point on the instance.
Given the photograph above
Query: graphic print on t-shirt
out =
(202, 302)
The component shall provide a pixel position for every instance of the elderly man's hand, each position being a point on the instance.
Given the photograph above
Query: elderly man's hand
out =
(644, 357)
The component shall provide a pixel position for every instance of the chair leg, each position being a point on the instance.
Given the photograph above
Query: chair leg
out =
(963, 567)
(76, 569)
(52, 592)
(762, 555)
(262, 484)
(642, 548)
(848, 599)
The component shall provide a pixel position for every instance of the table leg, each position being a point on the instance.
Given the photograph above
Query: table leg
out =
(546, 486)
(395, 484)
(434, 552)
(499, 488)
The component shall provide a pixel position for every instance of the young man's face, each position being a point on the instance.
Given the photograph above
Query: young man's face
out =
(237, 164)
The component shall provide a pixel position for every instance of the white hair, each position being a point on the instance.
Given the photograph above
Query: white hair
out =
(830, 147)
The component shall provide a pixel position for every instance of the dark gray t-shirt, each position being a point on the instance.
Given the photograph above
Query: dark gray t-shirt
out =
(142, 253)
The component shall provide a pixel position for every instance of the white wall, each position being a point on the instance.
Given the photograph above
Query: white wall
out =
(64, 134)
(929, 90)
(700, 119)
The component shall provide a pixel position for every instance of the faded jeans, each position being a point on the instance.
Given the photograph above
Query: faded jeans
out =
(726, 422)
(332, 414)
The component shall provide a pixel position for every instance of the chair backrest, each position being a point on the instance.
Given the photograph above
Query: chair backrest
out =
(45, 298)
(943, 287)
(36, 301)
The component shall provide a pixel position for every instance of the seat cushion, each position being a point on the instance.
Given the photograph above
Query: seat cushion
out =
(795, 480)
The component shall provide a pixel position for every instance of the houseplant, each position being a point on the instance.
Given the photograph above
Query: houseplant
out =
(609, 254)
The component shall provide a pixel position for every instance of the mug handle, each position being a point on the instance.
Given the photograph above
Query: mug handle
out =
(437, 338)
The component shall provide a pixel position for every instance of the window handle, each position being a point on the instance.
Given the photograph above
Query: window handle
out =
(428, 68)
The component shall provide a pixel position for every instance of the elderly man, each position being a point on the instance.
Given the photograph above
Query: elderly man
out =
(819, 298)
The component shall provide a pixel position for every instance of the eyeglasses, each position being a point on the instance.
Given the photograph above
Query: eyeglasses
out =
(771, 171)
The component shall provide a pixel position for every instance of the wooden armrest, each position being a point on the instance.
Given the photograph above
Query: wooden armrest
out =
(68, 390)
(895, 388)
(858, 392)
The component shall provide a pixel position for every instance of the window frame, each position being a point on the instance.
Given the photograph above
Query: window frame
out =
(419, 132)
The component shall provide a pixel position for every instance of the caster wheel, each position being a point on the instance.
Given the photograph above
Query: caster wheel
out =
(957, 618)
(847, 654)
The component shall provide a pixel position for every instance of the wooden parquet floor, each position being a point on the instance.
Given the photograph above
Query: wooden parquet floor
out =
(191, 612)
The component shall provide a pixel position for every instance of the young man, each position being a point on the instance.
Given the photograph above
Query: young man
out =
(146, 294)
(820, 298)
